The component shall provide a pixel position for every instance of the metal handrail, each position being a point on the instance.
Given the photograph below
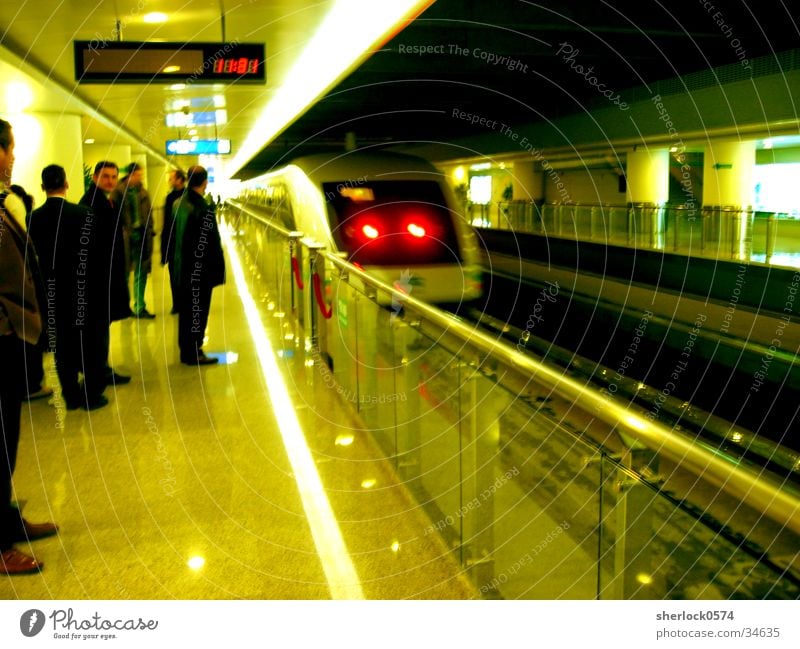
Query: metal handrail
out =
(756, 490)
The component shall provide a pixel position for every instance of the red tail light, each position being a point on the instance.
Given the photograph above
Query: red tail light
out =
(416, 230)
(370, 231)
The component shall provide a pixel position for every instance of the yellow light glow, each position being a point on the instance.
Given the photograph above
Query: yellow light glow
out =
(339, 45)
(19, 97)
(196, 563)
(343, 580)
(344, 440)
(644, 579)
(155, 17)
(737, 437)
(636, 422)
(459, 174)
(171, 68)
(177, 86)
(395, 546)
(368, 483)
(89, 140)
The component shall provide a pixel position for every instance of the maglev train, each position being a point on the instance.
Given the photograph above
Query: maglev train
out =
(392, 215)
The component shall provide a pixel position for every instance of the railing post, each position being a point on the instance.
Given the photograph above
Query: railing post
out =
(310, 313)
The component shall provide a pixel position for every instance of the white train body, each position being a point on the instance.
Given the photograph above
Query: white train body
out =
(393, 215)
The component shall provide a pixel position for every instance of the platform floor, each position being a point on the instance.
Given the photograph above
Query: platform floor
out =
(182, 486)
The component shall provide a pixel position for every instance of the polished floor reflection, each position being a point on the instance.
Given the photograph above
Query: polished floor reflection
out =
(182, 486)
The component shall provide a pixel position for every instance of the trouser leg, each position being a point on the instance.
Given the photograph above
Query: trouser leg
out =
(139, 285)
(12, 385)
(95, 358)
(68, 345)
(34, 368)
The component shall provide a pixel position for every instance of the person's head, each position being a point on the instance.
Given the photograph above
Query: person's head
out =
(135, 174)
(54, 180)
(177, 179)
(6, 151)
(105, 175)
(198, 179)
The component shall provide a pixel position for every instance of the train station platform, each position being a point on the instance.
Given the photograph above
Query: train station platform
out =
(229, 481)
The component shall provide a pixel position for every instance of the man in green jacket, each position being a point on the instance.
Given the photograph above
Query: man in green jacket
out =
(199, 265)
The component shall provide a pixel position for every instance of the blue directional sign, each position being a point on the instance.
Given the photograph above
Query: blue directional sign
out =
(198, 147)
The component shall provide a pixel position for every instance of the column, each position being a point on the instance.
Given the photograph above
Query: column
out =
(728, 197)
(647, 188)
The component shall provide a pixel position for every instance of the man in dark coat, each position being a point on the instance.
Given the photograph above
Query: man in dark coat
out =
(111, 256)
(177, 180)
(199, 265)
(64, 236)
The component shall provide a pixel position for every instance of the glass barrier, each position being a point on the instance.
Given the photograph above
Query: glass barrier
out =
(542, 487)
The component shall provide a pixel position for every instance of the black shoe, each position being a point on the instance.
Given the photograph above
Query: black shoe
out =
(200, 359)
(94, 404)
(144, 313)
(117, 379)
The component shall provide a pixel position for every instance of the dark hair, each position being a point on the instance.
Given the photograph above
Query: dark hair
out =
(179, 174)
(5, 134)
(53, 178)
(103, 164)
(25, 197)
(133, 166)
(197, 176)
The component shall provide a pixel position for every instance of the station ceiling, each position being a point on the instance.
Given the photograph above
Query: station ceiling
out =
(509, 61)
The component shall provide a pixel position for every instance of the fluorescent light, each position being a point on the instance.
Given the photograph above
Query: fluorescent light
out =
(155, 17)
(347, 36)
(89, 140)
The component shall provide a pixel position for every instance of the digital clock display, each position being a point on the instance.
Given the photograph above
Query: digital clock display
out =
(152, 62)
(242, 65)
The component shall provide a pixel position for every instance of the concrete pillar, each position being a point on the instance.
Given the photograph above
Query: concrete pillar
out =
(647, 175)
(41, 139)
(728, 173)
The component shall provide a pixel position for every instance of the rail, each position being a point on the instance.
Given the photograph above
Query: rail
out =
(721, 232)
(473, 405)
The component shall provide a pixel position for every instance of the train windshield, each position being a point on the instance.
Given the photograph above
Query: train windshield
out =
(392, 223)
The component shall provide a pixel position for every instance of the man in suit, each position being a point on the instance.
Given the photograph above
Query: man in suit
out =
(20, 323)
(65, 238)
(199, 265)
(177, 180)
(111, 257)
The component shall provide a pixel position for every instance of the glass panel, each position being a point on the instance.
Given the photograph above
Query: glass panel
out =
(531, 498)
(655, 548)
(428, 444)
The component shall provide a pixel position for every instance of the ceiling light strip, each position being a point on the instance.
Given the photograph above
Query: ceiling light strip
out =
(349, 34)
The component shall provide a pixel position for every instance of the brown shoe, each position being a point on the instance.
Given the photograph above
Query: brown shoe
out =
(33, 531)
(14, 562)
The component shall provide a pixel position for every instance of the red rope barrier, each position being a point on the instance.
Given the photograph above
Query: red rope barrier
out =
(326, 311)
(296, 272)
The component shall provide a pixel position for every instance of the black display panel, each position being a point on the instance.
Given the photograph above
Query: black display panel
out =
(134, 62)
